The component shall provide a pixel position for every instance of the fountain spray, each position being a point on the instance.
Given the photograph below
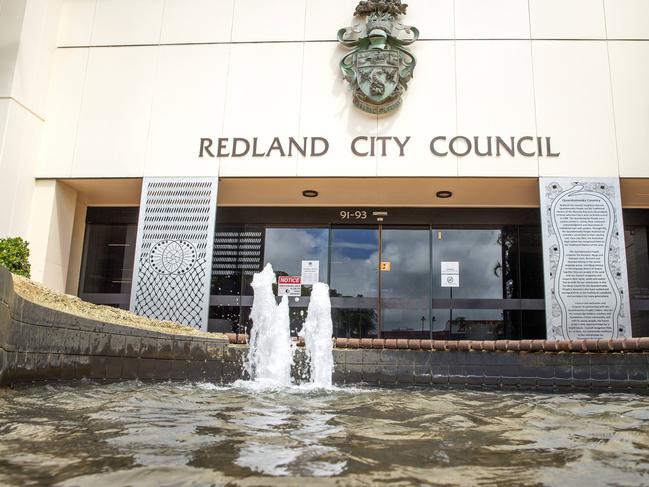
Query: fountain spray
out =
(317, 332)
(271, 349)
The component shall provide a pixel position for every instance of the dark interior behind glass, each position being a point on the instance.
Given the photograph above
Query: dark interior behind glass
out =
(108, 255)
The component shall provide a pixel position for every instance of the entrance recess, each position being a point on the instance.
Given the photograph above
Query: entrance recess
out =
(385, 278)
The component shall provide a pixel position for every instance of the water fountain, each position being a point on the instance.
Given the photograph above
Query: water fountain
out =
(271, 349)
(317, 332)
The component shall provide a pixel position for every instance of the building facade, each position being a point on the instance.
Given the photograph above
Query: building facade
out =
(426, 221)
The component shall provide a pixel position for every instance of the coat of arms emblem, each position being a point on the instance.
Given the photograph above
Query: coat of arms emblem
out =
(379, 66)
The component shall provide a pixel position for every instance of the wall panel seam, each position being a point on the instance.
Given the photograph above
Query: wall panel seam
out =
(536, 117)
(610, 80)
(333, 41)
(22, 105)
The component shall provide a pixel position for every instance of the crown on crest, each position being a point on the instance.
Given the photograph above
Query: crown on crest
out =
(368, 7)
(381, 14)
(394, 7)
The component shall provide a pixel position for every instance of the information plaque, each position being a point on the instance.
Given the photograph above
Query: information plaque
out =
(584, 256)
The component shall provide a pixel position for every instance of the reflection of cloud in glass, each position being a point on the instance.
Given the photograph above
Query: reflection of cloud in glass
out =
(348, 248)
(354, 262)
(478, 252)
(405, 319)
(408, 252)
(286, 248)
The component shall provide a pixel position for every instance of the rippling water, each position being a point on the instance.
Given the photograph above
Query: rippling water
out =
(200, 434)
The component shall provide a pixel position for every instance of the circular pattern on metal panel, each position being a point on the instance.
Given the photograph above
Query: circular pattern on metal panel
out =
(172, 257)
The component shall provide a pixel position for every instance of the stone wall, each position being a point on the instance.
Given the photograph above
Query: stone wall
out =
(40, 344)
(496, 369)
(501, 364)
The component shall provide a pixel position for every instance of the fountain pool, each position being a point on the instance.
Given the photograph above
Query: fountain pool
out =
(165, 434)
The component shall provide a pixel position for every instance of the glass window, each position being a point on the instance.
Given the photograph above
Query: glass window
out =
(355, 323)
(382, 278)
(477, 324)
(637, 256)
(533, 325)
(532, 283)
(238, 251)
(441, 320)
(354, 274)
(479, 256)
(405, 283)
(486, 324)
(355, 262)
(405, 323)
(286, 248)
(224, 319)
(297, 316)
(109, 252)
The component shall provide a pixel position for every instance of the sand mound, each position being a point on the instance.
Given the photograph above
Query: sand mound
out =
(39, 294)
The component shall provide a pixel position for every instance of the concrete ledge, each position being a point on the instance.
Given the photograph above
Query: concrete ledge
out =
(42, 344)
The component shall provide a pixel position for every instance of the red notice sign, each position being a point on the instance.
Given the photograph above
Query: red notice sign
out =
(289, 286)
(289, 280)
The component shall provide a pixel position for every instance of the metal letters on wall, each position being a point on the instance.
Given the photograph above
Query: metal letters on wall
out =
(586, 291)
(379, 67)
(173, 259)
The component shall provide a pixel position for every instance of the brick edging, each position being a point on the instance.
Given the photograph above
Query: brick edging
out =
(574, 346)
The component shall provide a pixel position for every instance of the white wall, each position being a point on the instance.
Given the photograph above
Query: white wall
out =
(28, 30)
(128, 22)
(51, 223)
(486, 67)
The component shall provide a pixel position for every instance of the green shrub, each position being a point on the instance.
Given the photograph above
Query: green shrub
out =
(14, 255)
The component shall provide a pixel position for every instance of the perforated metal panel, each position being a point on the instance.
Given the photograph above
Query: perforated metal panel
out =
(173, 260)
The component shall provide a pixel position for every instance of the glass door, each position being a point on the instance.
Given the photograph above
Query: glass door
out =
(387, 280)
(405, 282)
(354, 281)
(469, 305)
(108, 255)
(286, 249)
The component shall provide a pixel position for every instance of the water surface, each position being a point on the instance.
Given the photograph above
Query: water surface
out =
(201, 434)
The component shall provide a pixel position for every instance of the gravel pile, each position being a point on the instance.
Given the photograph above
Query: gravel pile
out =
(39, 294)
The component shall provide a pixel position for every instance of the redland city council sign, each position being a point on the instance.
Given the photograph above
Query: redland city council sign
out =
(382, 146)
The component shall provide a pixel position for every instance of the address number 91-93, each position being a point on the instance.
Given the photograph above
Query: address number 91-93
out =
(353, 215)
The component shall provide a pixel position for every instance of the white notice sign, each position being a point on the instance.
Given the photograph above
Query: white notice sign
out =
(310, 272)
(450, 273)
(450, 267)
